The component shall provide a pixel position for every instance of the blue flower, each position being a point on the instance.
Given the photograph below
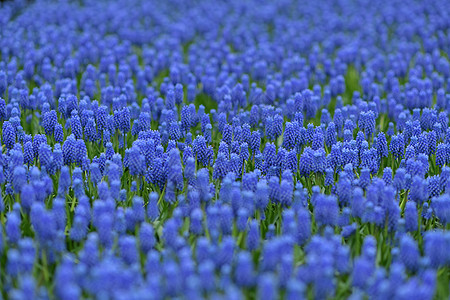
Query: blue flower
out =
(436, 248)
(434, 186)
(331, 135)
(267, 286)
(244, 272)
(220, 166)
(12, 227)
(128, 249)
(326, 210)
(418, 192)
(19, 178)
(303, 226)
(49, 122)
(8, 135)
(411, 216)
(253, 236)
(441, 208)
(409, 252)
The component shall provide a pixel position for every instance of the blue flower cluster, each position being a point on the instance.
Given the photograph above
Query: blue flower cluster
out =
(225, 150)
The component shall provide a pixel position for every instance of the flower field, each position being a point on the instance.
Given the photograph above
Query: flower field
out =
(236, 149)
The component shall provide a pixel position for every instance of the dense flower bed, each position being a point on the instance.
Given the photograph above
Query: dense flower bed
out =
(225, 150)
